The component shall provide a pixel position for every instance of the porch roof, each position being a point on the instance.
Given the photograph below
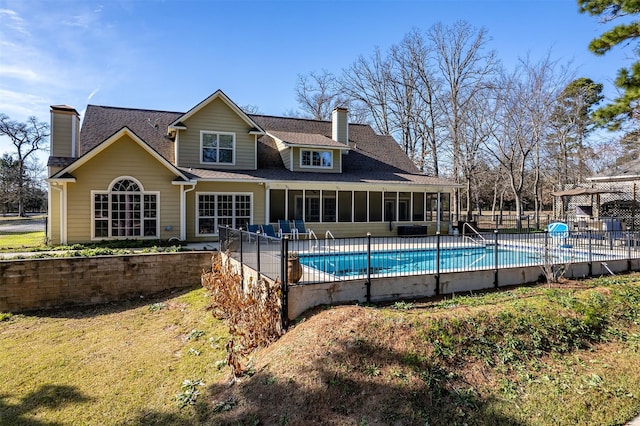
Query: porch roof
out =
(382, 177)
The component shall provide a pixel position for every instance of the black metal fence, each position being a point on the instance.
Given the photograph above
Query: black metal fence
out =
(490, 222)
(342, 259)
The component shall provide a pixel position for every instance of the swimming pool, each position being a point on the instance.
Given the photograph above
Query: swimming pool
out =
(402, 262)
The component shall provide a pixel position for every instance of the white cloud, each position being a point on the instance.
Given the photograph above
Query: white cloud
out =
(18, 73)
(20, 105)
(69, 51)
(11, 20)
(96, 90)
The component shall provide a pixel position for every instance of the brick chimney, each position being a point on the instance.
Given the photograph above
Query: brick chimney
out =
(340, 125)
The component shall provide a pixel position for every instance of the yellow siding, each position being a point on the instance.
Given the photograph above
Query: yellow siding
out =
(258, 206)
(217, 116)
(61, 137)
(123, 158)
(336, 156)
(285, 153)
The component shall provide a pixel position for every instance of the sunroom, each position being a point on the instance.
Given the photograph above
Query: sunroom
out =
(355, 210)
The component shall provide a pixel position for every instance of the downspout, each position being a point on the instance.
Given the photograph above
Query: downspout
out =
(63, 219)
(49, 210)
(267, 202)
(183, 209)
(61, 206)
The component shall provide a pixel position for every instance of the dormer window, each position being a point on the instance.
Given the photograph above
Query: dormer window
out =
(217, 147)
(316, 159)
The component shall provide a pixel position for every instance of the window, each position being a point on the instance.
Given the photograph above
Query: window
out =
(222, 209)
(316, 158)
(217, 147)
(126, 210)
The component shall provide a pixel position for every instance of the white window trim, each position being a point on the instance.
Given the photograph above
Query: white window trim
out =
(234, 154)
(118, 179)
(302, 166)
(108, 192)
(197, 209)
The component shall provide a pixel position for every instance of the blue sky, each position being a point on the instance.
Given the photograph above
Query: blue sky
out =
(170, 55)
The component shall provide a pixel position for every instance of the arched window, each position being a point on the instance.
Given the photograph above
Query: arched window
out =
(126, 210)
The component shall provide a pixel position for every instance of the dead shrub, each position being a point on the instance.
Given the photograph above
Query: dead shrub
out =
(252, 312)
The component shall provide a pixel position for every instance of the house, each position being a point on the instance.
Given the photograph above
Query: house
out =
(132, 173)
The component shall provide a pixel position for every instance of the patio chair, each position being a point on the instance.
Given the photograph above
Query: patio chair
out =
(253, 229)
(300, 227)
(268, 230)
(285, 229)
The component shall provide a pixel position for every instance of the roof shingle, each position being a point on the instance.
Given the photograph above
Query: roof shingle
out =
(372, 158)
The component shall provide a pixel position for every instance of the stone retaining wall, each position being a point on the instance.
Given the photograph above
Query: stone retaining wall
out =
(29, 284)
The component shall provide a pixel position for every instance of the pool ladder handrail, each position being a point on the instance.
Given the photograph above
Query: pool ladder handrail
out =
(315, 237)
(475, 231)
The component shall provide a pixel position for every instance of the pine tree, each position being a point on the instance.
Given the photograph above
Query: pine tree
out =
(624, 107)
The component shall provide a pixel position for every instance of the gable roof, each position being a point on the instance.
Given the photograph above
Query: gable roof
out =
(100, 122)
(366, 145)
(306, 140)
(108, 142)
(370, 157)
(218, 94)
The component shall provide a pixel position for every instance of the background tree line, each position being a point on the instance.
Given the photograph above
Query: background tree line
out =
(507, 136)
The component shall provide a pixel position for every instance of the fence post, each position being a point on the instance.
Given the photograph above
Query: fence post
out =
(258, 238)
(495, 259)
(368, 282)
(284, 273)
(590, 254)
(546, 247)
(437, 263)
(241, 252)
(628, 252)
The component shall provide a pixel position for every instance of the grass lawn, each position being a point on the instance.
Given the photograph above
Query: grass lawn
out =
(16, 241)
(538, 355)
(11, 241)
(115, 364)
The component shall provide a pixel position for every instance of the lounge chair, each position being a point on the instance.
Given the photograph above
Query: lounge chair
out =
(268, 230)
(253, 229)
(300, 227)
(285, 229)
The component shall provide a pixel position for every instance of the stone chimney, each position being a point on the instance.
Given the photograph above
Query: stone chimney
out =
(65, 136)
(340, 125)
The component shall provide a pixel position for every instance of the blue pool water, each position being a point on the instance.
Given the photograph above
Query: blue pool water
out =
(424, 261)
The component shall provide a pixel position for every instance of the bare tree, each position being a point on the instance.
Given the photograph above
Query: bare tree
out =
(466, 68)
(428, 117)
(544, 81)
(512, 146)
(525, 101)
(27, 138)
(476, 127)
(318, 93)
(251, 109)
(366, 85)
